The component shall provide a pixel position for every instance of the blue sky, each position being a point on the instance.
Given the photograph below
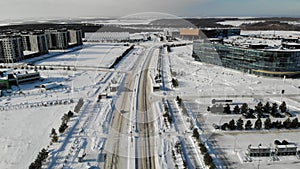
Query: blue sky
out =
(16, 9)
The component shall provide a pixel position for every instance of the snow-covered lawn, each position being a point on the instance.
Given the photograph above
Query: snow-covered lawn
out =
(95, 55)
(25, 132)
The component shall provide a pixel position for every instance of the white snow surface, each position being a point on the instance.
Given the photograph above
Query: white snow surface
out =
(238, 23)
(25, 132)
(100, 55)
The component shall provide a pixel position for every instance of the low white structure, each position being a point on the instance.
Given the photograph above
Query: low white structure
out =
(107, 36)
(259, 151)
(114, 87)
(23, 77)
(48, 86)
(284, 150)
(81, 155)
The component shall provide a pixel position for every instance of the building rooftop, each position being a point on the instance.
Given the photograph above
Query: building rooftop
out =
(260, 43)
(287, 146)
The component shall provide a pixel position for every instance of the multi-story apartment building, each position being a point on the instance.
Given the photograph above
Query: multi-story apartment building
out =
(74, 37)
(11, 49)
(35, 42)
(57, 39)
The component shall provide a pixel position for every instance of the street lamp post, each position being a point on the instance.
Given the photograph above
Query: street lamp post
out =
(258, 156)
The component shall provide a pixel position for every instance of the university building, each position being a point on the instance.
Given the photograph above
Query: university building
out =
(251, 54)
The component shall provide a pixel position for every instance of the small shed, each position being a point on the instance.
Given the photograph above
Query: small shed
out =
(258, 151)
(114, 87)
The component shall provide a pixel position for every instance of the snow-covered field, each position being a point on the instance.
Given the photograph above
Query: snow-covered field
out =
(24, 132)
(239, 22)
(101, 55)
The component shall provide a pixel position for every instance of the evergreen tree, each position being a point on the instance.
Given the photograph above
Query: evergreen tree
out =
(251, 114)
(207, 159)
(244, 108)
(277, 142)
(267, 123)
(287, 123)
(175, 82)
(70, 114)
(284, 142)
(248, 125)
(277, 124)
(259, 109)
(274, 108)
(258, 124)
(203, 149)
(231, 125)
(236, 109)
(62, 127)
(295, 123)
(225, 126)
(65, 118)
(267, 108)
(227, 109)
(240, 124)
(53, 132)
(282, 107)
(196, 133)
(54, 138)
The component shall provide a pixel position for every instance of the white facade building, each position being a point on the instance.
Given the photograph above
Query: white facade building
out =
(35, 42)
(75, 37)
(108, 36)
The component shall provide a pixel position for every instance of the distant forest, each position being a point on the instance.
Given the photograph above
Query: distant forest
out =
(158, 25)
(269, 24)
(43, 26)
(85, 27)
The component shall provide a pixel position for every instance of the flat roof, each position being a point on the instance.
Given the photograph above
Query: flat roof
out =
(248, 41)
(287, 146)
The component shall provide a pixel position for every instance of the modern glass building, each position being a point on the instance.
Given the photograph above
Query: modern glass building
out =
(257, 59)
